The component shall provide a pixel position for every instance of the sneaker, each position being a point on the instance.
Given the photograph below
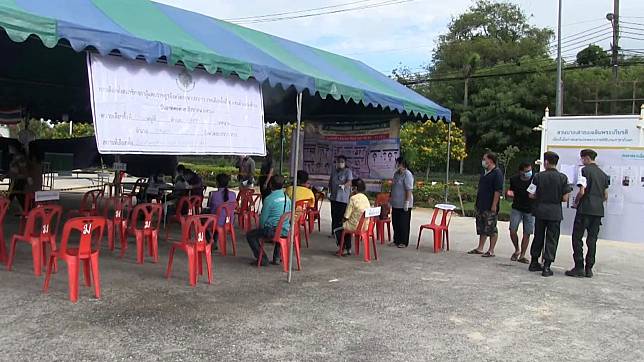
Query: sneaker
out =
(547, 272)
(401, 246)
(535, 267)
(347, 253)
(576, 273)
(589, 272)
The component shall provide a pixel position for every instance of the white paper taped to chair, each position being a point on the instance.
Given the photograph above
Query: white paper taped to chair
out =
(448, 207)
(372, 212)
(47, 196)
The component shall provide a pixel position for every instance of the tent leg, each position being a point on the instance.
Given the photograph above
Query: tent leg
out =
(294, 177)
(281, 147)
(449, 150)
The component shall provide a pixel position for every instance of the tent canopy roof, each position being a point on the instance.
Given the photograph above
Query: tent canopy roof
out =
(152, 31)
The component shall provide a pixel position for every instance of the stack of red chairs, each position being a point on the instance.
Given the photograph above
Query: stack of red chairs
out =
(441, 231)
(90, 230)
(361, 235)
(301, 209)
(244, 201)
(227, 229)
(382, 200)
(116, 211)
(151, 215)
(4, 207)
(40, 232)
(283, 242)
(195, 244)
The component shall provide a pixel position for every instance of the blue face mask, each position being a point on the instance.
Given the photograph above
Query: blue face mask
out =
(528, 174)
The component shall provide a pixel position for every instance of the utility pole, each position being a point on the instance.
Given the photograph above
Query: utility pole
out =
(614, 20)
(559, 95)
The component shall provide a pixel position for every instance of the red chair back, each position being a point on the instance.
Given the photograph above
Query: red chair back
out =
(117, 207)
(90, 230)
(195, 204)
(198, 225)
(4, 207)
(43, 220)
(229, 209)
(244, 199)
(300, 209)
(90, 200)
(138, 187)
(364, 219)
(280, 226)
(151, 216)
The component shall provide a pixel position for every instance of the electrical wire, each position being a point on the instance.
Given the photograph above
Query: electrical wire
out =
(365, 7)
(297, 11)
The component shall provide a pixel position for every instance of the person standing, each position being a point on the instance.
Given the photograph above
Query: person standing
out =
(593, 191)
(521, 211)
(265, 174)
(339, 191)
(487, 204)
(246, 166)
(549, 189)
(402, 200)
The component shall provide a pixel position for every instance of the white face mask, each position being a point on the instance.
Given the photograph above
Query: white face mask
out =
(484, 163)
(341, 165)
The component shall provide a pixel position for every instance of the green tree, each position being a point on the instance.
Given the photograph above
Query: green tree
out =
(61, 130)
(425, 144)
(273, 142)
(593, 55)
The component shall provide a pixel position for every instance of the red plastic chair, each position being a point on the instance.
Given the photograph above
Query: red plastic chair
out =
(440, 230)
(116, 211)
(314, 212)
(195, 245)
(4, 207)
(28, 204)
(149, 231)
(244, 201)
(226, 229)
(363, 236)
(89, 204)
(90, 230)
(139, 185)
(40, 231)
(382, 199)
(186, 206)
(283, 242)
(301, 208)
(250, 212)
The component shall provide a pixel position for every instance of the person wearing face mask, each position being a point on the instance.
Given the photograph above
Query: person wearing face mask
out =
(593, 185)
(402, 200)
(339, 191)
(358, 203)
(549, 189)
(487, 204)
(521, 211)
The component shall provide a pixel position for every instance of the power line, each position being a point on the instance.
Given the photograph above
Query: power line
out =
(365, 7)
(581, 34)
(551, 69)
(297, 11)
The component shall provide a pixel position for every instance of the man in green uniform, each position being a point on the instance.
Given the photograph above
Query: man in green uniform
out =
(593, 185)
(549, 189)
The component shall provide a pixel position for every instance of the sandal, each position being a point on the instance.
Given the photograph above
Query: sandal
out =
(475, 251)
(488, 255)
(524, 260)
(515, 256)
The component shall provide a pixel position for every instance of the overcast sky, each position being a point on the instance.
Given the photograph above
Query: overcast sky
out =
(387, 36)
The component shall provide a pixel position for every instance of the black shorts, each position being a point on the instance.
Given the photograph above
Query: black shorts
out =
(486, 223)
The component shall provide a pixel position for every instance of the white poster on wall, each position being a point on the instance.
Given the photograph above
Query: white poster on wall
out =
(141, 108)
(613, 131)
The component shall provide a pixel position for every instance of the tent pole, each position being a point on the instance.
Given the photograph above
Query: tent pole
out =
(449, 150)
(281, 147)
(294, 177)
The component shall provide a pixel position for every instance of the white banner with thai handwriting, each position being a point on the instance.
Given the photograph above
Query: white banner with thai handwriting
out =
(614, 131)
(161, 109)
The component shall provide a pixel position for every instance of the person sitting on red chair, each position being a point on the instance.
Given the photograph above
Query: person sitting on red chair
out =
(275, 205)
